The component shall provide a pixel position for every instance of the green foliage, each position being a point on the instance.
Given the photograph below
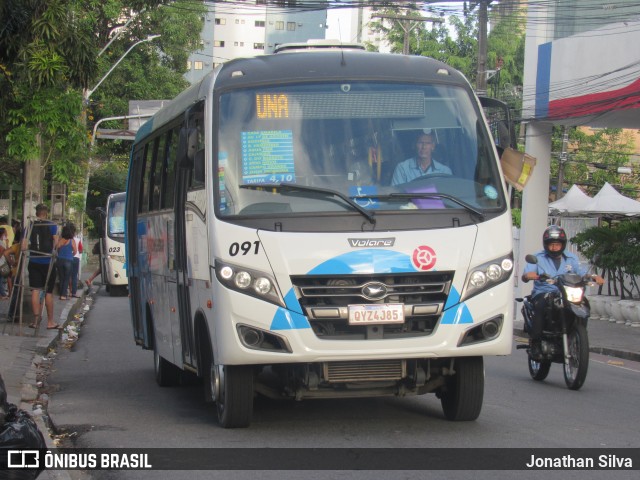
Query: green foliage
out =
(516, 217)
(505, 44)
(594, 157)
(110, 177)
(50, 52)
(615, 248)
(456, 43)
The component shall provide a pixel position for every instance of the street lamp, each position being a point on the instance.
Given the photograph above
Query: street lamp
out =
(86, 95)
(88, 92)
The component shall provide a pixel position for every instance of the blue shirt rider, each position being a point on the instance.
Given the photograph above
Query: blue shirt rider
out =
(552, 261)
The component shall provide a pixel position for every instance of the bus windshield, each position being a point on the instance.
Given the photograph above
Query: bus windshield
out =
(115, 217)
(387, 147)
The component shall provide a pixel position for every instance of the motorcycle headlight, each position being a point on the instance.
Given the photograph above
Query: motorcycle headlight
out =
(574, 294)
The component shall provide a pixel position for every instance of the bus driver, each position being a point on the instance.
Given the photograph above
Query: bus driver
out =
(421, 164)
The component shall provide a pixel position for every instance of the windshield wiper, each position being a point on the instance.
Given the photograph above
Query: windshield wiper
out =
(425, 195)
(439, 195)
(293, 187)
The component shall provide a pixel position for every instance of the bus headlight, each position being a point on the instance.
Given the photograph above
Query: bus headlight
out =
(242, 280)
(262, 285)
(487, 275)
(250, 282)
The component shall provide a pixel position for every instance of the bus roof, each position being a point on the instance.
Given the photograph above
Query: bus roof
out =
(329, 64)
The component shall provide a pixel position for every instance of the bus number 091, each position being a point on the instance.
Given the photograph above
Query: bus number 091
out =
(245, 247)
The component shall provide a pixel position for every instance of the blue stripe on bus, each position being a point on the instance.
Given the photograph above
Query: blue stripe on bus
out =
(456, 316)
(291, 301)
(287, 320)
(372, 260)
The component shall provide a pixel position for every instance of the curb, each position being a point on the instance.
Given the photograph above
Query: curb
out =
(611, 352)
(30, 391)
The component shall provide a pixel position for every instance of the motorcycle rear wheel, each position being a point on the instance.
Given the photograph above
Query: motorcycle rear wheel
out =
(538, 369)
(575, 372)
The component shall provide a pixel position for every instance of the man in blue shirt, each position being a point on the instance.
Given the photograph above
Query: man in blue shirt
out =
(421, 164)
(41, 276)
(552, 261)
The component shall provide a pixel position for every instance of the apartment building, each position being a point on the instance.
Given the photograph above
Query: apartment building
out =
(234, 29)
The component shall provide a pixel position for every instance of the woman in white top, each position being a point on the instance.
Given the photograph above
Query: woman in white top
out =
(75, 272)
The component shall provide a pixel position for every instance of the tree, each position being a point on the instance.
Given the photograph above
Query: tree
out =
(44, 56)
(50, 52)
(506, 55)
(594, 158)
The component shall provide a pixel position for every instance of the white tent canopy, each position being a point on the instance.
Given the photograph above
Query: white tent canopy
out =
(609, 202)
(574, 201)
(606, 203)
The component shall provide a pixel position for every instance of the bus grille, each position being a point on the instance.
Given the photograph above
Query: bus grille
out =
(368, 371)
(325, 300)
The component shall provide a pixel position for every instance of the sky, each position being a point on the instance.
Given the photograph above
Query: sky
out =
(339, 23)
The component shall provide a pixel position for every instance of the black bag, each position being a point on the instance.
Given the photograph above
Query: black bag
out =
(96, 248)
(18, 431)
(41, 239)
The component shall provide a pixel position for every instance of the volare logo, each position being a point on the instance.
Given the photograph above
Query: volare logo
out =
(23, 459)
(371, 242)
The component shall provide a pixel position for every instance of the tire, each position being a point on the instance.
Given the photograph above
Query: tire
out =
(575, 372)
(230, 387)
(462, 396)
(235, 403)
(167, 374)
(538, 369)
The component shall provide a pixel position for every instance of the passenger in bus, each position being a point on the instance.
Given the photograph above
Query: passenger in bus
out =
(421, 164)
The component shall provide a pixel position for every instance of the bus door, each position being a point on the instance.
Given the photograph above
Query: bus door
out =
(189, 137)
(133, 259)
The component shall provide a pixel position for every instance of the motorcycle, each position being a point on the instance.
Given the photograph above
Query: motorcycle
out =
(564, 335)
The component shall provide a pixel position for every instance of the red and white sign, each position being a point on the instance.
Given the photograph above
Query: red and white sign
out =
(424, 258)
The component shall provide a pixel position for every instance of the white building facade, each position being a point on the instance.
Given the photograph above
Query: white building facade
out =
(254, 28)
(581, 68)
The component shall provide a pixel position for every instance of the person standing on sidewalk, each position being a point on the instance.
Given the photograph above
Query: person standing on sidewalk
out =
(77, 258)
(66, 247)
(40, 243)
(4, 245)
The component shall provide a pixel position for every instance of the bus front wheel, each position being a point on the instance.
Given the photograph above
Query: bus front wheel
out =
(230, 387)
(462, 398)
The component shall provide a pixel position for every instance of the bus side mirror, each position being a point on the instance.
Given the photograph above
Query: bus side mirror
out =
(187, 147)
(198, 166)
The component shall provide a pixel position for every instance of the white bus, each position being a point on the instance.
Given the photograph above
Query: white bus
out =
(112, 244)
(270, 252)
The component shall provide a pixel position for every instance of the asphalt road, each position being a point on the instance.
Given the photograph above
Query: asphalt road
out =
(104, 396)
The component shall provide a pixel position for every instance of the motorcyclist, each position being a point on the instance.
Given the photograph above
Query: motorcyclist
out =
(552, 261)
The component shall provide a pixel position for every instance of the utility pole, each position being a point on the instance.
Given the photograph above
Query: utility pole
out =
(408, 23)
(483, 20)
(561, 163)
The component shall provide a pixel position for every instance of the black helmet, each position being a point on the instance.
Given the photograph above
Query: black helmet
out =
(553, 234)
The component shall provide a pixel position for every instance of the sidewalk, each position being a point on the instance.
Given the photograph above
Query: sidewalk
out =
(23, 352)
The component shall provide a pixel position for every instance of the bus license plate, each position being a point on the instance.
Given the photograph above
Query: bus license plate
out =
(376, 313)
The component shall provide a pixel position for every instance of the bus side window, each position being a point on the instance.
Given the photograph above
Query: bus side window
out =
(173, 137)
(156, 173)
(146, 176)
(197, 174)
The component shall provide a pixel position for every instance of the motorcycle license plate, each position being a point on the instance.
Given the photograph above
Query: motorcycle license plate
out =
(376, 314)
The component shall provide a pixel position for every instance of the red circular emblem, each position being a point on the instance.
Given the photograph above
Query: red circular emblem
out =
(424, 258)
